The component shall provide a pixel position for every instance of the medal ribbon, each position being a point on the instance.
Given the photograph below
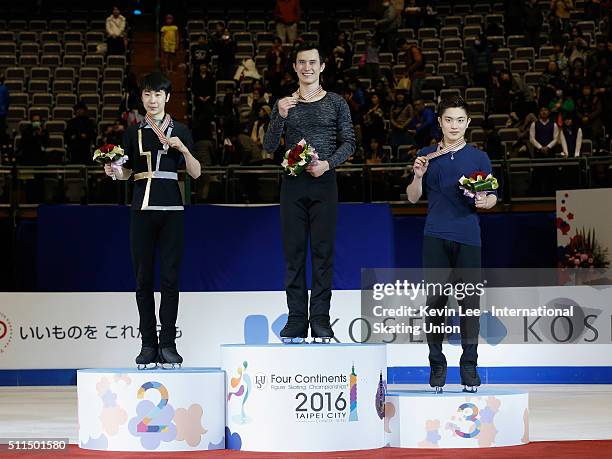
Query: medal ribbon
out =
(312, 94)
(441, 151)
(160, 130)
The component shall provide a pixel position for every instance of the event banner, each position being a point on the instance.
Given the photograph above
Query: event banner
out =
(98, 330)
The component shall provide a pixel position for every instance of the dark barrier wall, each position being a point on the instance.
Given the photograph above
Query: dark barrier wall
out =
(226, 248)
(86, 248)
(509, 240)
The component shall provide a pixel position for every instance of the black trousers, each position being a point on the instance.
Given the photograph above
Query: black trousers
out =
(308, 211)
(150, 230)
(452, 262)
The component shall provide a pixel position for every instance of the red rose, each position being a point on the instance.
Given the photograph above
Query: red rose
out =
(477, 174)
(290, 161)
(295, 156)
(298, 149)
(107, 148)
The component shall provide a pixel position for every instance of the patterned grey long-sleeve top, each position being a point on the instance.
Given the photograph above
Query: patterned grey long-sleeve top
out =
(325, 124)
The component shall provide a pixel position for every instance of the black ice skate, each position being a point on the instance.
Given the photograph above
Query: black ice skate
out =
(147, 358)
(437, 377)
(320, 329)
(469, 377)
(169, 358)
(295, 330)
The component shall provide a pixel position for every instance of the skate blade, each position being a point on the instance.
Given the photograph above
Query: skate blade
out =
(170, 366)
(296, 340)
(146, 366)
(439, 389)
(321, 340)
(470, 389)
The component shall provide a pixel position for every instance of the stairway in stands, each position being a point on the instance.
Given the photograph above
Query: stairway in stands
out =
(143, 62)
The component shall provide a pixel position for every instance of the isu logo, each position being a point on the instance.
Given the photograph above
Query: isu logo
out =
(6, 332)
(260, 380)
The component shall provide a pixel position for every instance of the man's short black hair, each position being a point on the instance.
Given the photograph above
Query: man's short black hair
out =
(453, 102)
(156, 81)
(307, 46)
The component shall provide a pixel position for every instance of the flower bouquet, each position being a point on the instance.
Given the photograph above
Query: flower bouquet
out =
(583, 251)
(112, 154)
(299, 157)
(477, 184)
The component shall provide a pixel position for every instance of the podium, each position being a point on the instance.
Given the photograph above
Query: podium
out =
(456, 419)
(125, 409)
(304, 397)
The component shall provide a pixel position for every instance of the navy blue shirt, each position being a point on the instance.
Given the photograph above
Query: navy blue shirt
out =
(450, 214)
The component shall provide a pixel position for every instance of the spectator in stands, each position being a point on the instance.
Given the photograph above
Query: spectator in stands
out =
(374, 152)
(370, 60)
(533, 20)
(401, 114)
(480, 60)
(415, 67)
(113, 133)
(590, 110)
(523, 98)
(387, 26)
(373, 120)
(561, 107)
(560, 58)
(204, 138)
(579, 49)
(549, 82)
(276, 59)
(287, 14)
(492, 144)
(226, 50)
(423, 125)
(255, 101)
(33, 144)
(246, 72)
(135, 113)
(571, 138)
(259, 130)
(602, 79)
(217, 36)
(543, 134)
(230, 119)
(599, 57)
(131, 101)
(4, 106)
(348, 94)
(577, 78)
(522, 146)
(413, 15)
(79, 136)
(457, 80)
(288, 84)
(169, 44)
(203, 89)
(560, 17)
(502, 93)
(341, 58)
(116, 40)
(201, 53)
